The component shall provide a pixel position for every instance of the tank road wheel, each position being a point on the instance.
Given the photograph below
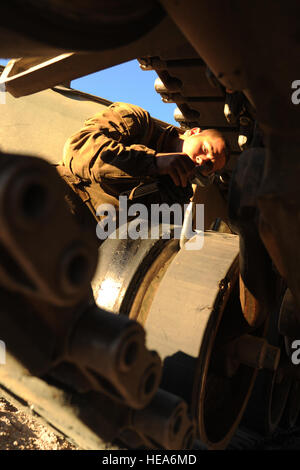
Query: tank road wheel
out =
(129, 272)
(210, 353)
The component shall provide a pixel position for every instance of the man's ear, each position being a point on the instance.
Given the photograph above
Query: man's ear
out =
(195, 131)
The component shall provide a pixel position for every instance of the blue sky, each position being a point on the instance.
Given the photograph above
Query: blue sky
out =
(126, 82)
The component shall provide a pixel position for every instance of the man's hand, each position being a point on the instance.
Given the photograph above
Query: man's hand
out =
(178, 166)
(210, 163)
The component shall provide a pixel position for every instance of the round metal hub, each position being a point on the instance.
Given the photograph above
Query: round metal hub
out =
(195, 314)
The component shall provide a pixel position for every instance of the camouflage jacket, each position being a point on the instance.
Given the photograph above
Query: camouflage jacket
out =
(114, 153)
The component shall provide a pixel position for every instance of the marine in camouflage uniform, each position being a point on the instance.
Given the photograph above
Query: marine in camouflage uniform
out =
(115, 153)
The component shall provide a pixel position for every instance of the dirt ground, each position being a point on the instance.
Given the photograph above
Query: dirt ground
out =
(21, 430)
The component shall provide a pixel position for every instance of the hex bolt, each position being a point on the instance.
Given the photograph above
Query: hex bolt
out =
(160, 87)
(187, 115)
(174, 98)
(227, 113)
(167, 98)
(170, 85)
(150, 63)
(178, 116)
(254, 352)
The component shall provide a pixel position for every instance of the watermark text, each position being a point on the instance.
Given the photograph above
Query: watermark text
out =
(296, 94)
(138, 221)
(295, 358)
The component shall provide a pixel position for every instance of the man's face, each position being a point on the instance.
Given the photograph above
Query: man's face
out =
(204, 147)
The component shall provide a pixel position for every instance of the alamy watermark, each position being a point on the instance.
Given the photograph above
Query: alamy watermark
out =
(139, 221)
(296, 94)
(2, 353)
(295, 357)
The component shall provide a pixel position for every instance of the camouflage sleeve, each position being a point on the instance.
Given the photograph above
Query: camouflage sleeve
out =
(112, 145)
